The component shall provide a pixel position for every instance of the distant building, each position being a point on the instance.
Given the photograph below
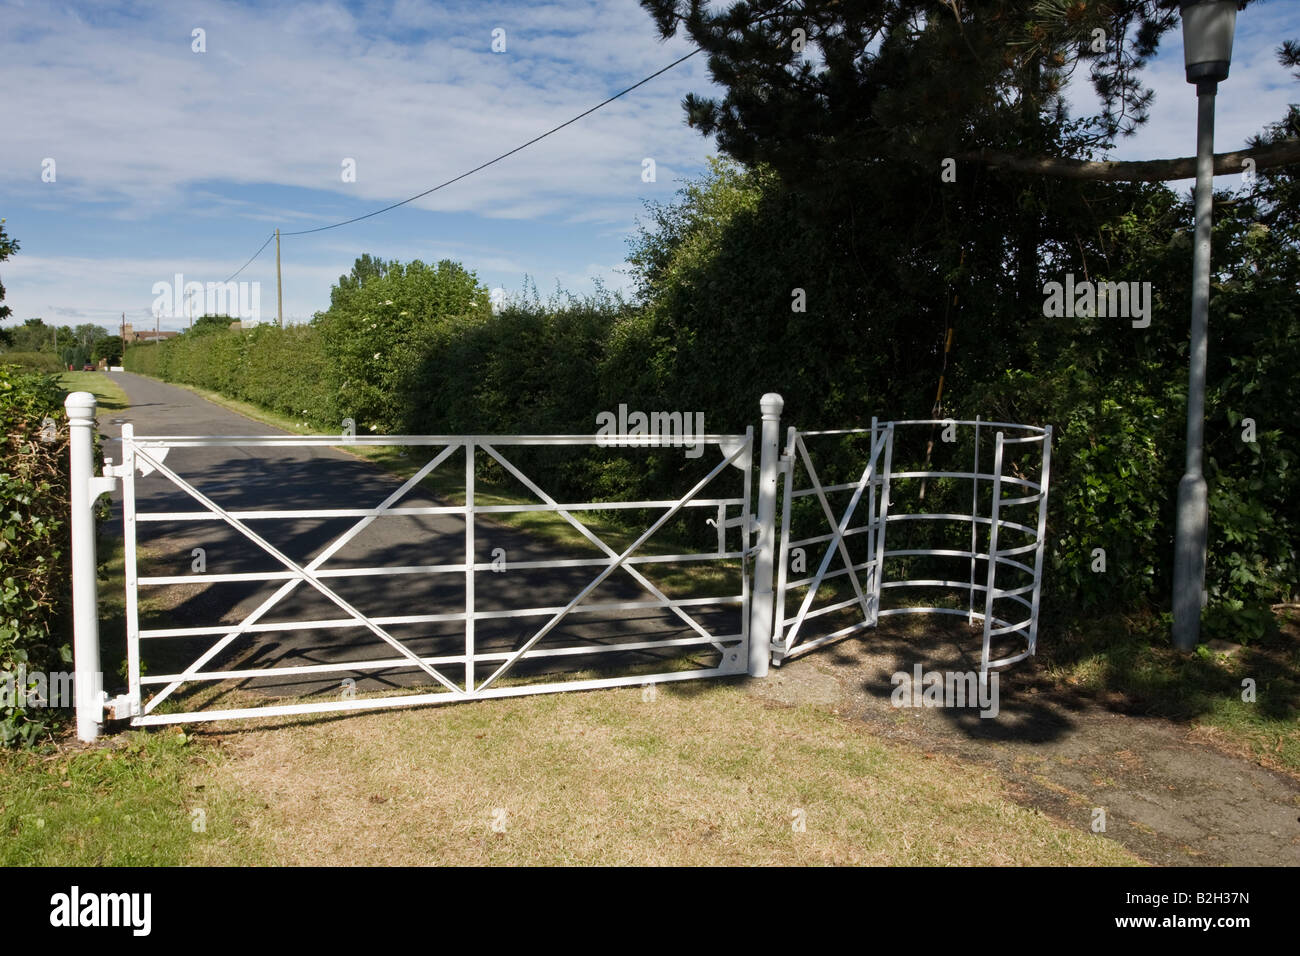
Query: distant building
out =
(131, 337)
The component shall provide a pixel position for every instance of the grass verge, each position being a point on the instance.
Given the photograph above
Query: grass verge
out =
(140, 800)
(108, 393)
(699, 774)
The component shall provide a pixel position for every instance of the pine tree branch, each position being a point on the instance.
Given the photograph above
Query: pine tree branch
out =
(1272, 155)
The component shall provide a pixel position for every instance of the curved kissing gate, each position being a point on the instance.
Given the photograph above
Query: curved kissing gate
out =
(913, 517)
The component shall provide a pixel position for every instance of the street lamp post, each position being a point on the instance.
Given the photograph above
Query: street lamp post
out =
(1208, 27)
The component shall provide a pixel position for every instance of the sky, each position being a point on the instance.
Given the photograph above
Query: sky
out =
(168, 160)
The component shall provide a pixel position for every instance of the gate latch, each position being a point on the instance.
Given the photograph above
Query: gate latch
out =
(722, 523)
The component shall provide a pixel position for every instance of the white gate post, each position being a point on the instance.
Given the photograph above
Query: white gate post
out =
(761, 599)
(87, 680)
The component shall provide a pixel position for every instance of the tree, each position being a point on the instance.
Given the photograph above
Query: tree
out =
(109, 349)
(366, 269)
(35, 336)
(206, 324)
(919, 81)
(8, 246)
(842, 200)
(378, 316)
(87, 334)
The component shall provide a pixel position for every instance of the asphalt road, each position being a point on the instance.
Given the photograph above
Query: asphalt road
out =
(249, 478)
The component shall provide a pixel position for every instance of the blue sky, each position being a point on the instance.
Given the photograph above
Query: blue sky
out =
(169, 161)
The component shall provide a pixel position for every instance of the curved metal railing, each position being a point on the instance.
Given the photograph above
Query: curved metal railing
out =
(1001, 561)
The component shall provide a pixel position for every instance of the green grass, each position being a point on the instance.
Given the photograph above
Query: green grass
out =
(108, 393)
(703, 773)
(130, 802)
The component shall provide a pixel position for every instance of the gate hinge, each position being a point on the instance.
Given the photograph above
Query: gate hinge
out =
(108, 481)
(101, 486)
(120, 707)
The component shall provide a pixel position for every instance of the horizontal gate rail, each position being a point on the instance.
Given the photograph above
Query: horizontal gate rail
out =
(269, 514)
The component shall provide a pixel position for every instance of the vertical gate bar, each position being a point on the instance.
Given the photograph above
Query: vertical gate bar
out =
(745, 531)
(131, 571)
(87, 678)
(974, 525)
(783, 567)
(469, 566)
(1042, 538)
(887, 476)
(760, 629)
(873, 520)
(993, 550)
(884, 509)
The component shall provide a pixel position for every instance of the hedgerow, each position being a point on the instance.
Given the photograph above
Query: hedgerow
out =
(414, 349)
(35, 573)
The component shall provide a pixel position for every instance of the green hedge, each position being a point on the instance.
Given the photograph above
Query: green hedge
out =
(284, 370)
(413, 349)
(35, 573)
(37, 361)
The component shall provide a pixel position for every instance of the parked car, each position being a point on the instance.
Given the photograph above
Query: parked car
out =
(87, 367)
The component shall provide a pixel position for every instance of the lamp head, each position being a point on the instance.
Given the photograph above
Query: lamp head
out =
(1208, 27)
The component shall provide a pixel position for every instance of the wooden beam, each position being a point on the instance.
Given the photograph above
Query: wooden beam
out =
(1283, 153)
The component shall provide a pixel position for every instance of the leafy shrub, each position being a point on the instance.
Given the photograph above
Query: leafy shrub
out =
(37, 361)
(413, 348)
(35, 573)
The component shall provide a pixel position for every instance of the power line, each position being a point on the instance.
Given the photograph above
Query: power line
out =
(252, 257)
(304, 232)
(479, 168)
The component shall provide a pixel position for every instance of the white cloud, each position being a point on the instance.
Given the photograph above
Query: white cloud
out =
(132, 116)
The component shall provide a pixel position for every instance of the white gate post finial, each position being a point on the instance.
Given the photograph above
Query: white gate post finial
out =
(761, 600)
(87, 679)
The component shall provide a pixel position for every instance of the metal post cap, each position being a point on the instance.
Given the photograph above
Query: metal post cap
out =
(771, 404)
(80, 404)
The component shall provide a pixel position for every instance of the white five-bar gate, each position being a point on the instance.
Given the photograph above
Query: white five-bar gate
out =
(759, 621)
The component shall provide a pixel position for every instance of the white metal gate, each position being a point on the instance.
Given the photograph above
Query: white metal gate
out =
(451, 677)
(868, 504)
(1003, 559)
(850, 516)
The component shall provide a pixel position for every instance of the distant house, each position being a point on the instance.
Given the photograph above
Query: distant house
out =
(131, 337)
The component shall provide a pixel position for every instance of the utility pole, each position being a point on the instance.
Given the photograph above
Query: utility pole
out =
(279, 296)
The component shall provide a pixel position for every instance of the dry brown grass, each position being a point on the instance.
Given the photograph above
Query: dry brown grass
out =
(703, 774)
